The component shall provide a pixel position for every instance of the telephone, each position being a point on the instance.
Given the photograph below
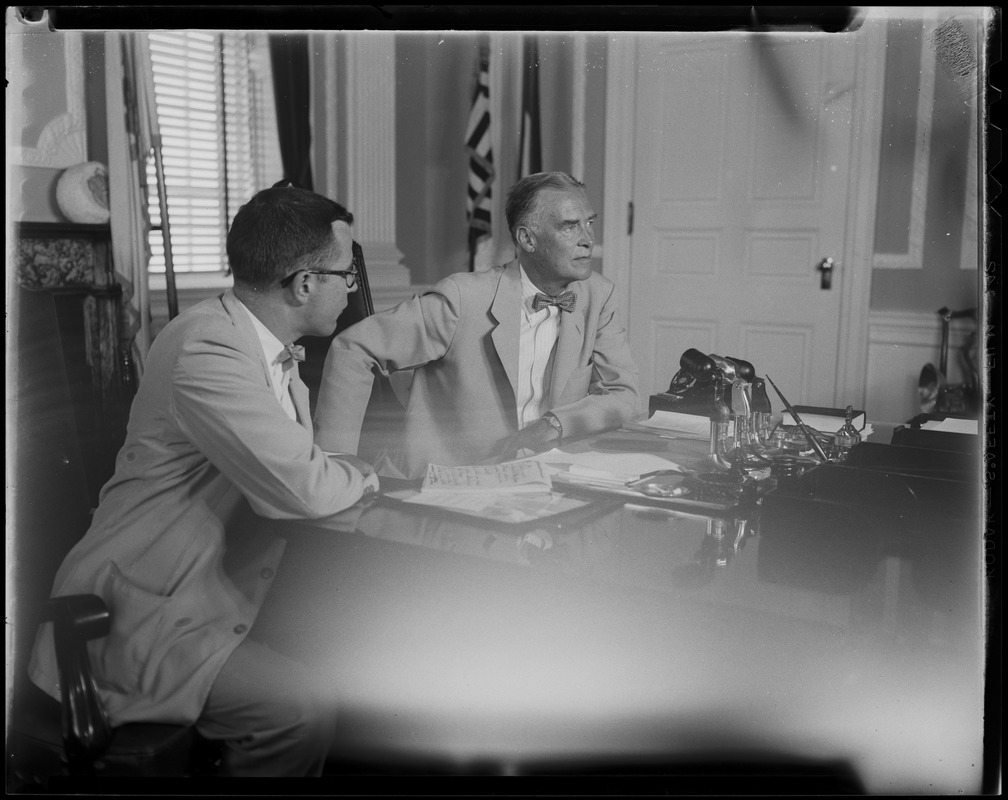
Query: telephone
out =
(713, 386)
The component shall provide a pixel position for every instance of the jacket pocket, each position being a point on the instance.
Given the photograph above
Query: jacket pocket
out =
(137, 617)
(577, 384)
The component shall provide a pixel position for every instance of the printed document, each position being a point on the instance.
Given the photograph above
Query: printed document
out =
(512, 477)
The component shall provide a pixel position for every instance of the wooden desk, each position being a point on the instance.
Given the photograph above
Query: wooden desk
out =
(637, 639)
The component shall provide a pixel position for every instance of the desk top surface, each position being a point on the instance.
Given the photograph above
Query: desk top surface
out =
(646, 634)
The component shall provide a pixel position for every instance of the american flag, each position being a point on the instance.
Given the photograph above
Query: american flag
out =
(531, 143)
(481, 169)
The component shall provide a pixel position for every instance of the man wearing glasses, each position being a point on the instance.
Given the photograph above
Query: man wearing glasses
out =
(221, 425)
(504, 361)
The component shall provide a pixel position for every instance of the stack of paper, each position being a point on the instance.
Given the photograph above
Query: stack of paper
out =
(672, 423)
(604, 470)
(952, 425)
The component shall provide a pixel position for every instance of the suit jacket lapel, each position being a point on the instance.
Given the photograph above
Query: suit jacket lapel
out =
(505, 309)
(569, 342)
(299, 391)
(240, 319)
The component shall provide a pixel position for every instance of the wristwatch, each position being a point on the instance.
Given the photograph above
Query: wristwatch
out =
(551, 420)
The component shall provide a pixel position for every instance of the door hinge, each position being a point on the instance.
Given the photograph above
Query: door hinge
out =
(629, 220)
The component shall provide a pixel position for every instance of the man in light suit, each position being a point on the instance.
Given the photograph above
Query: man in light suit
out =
(504, 361)
(220, 426)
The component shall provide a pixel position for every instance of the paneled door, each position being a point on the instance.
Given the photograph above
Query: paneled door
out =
(741, 180)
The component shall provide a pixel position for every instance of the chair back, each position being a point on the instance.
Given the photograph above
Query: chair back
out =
(359, 306)
(362, 297)
(49, 497)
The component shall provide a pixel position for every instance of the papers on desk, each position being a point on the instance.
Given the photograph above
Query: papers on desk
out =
(607, 475)
(535, 490)
(609, 472)
(524, 476)
(952, 425)
(674, 424)
(619, 467)
(511, 508)
(520, 491)
(514, 493)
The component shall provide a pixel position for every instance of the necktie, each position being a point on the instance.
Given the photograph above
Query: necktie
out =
(288, 358)
(565, 301)
(291, 354)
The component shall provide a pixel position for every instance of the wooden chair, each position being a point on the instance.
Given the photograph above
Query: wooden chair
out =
(72, 737)
(50, 738)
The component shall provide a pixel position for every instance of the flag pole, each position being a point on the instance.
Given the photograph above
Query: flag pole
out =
(530, 153)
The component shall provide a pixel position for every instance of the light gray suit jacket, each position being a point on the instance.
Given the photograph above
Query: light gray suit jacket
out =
(206, 441)
(461, 340)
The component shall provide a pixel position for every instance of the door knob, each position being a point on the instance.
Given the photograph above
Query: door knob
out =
(825, 268)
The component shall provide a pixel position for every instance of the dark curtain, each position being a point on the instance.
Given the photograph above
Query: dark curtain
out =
(291, 87)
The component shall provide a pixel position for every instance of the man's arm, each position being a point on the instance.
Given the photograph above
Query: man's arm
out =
(408, 336)
(231, 415)
(613, 395)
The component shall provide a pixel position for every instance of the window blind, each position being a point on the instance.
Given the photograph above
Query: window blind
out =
(214, 101)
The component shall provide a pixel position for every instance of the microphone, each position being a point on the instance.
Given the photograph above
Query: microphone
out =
(743, 368)
(698, 365)
(726, 367)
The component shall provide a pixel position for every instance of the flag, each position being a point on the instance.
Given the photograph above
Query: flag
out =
(481, 169)
(531, 143)
(133, 133)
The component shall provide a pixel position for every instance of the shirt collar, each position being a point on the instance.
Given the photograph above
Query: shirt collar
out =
(529, 291)
(271, 346)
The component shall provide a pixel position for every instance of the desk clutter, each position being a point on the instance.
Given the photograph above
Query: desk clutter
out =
(712, 446)
(710, 393)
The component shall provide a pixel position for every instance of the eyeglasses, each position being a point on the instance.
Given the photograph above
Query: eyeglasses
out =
(349, 275)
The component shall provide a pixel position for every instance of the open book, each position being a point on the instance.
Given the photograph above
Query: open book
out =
(512, 477)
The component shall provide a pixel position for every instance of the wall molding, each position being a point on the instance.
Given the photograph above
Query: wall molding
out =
(916, 328)
(913, 257)
(900, 343)
(973, 233)
(620, 107)
(579, 64)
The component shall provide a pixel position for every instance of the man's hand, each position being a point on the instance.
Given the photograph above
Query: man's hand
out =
(533, 437)
(371, 483)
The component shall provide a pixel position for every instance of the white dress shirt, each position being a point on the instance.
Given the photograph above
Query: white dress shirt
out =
(536, 345)
(273, 349)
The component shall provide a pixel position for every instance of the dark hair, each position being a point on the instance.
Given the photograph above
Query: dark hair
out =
(280, 230)
(522, 198)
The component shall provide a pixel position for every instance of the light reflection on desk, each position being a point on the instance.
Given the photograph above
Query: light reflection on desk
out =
(630, 636)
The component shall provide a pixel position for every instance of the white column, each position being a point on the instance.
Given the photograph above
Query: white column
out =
(370, 148)
(580, 81)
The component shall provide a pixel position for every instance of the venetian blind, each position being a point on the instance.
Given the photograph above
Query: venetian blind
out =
(217, 119)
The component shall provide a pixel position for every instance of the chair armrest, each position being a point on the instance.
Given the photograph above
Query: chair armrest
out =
(77, 619)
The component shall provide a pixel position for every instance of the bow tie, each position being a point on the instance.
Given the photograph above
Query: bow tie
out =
(290, 354)
(565, 301)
